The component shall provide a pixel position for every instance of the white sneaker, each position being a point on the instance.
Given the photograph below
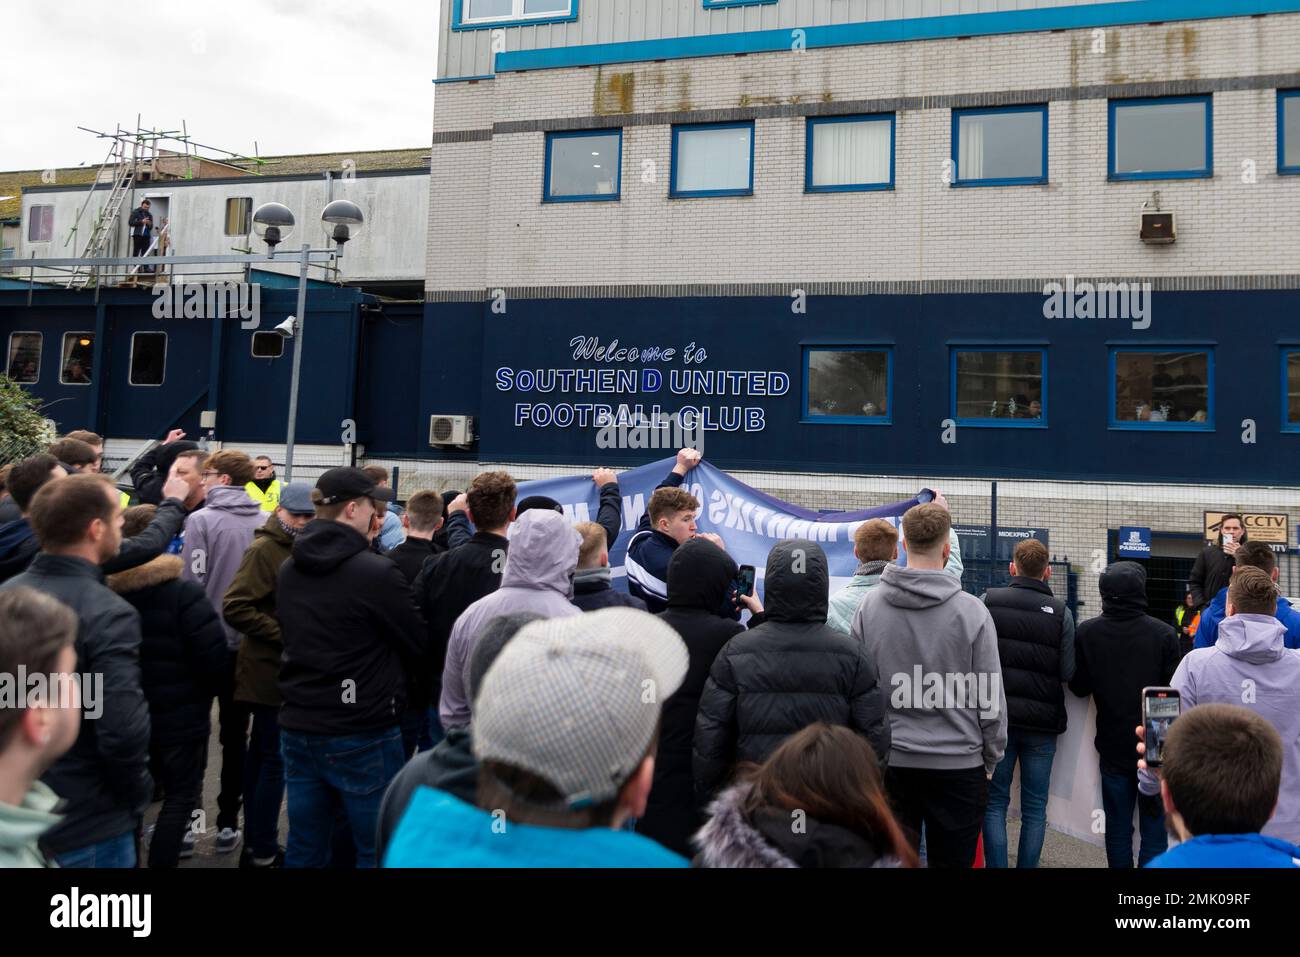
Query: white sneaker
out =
(228, 840)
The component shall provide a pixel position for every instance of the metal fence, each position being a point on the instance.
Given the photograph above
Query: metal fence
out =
(981, 574)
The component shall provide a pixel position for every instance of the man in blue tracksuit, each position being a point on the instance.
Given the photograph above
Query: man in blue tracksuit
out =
(668, 521)
(1220, 780)
(1256, 555)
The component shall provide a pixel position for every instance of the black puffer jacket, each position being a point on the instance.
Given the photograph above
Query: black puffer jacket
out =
(1033, 628)
(346, 615)
(700, 578)
(183, 655)
(1117, 655)
(104, 777)
(785, 674)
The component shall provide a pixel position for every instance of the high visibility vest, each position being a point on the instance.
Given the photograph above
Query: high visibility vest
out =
(1196, 623)
(268, 499)
(126, 500)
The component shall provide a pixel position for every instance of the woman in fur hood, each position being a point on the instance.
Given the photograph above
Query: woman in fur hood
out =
(183, 657)
(817, 801)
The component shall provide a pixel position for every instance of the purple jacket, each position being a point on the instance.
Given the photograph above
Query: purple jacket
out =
(1250, 667)
(538, 577)
(216, 537)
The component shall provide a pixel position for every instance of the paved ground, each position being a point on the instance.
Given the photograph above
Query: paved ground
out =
(1059, 850)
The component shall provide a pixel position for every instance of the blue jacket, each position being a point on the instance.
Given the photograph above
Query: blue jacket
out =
(1207, 632)
(439, 830)
(647, 558)
(1230, 850)
(391, 535)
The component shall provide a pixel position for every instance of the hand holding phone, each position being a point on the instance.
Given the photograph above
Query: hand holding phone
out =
(745, 580)
(1160, 708)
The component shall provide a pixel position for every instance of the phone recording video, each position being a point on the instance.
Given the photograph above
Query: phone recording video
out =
(1160, 707)
(745, 580)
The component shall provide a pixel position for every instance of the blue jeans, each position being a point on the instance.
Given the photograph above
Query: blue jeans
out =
(1035, 752)
(1119, 795)
(323, 771)
(263, 782)
(114, 852)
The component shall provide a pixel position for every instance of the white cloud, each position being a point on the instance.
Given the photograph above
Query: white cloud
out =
(294, 76)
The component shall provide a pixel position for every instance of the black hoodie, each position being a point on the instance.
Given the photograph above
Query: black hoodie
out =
(1116, 656)
(346, 615)
(785, 674)
(701, 577)
(149, 473)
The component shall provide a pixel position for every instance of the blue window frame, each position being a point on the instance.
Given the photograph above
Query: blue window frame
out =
(1291, 388)
(1165, 387)
(584, 166)
(849, 384)
(724, 4)
(857, 153)
(998, 385)
(1006, 146)
(1288, 132)
(1161, 138)
(488, 14)
(712, 159)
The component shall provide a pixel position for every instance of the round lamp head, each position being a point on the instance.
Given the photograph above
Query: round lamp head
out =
(273, 223)
(342, 220)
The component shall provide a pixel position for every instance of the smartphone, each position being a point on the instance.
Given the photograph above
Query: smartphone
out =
(745, 580)
(1160, 707)
(1227, 538)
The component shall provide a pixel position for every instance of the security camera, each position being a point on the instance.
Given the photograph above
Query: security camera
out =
(287, 327)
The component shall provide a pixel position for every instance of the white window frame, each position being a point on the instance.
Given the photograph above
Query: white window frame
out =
(516, 14)
(40, 352)
(63, 351)
(130, 369)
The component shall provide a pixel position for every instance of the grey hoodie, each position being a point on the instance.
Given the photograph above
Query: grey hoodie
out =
(936, 651)
(538, 577)
(1249, 666)
(216, 537)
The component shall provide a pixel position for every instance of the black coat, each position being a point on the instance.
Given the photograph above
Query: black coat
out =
(411, 555)
(787, 673)
(700, 578)
(104, 777)
(18, 546)
(447, 585)
(1118, 654)
(184, 659)
(1032, 625)
(351, 635)
(1210, 573)
(593, 594)
(149, 473)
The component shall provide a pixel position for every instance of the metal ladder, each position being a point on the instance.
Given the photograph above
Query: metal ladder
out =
(123, 169)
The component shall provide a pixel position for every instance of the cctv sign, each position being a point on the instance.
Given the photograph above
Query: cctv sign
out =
(1271, 528)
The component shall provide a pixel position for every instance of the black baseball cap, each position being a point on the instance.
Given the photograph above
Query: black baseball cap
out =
(344, 484)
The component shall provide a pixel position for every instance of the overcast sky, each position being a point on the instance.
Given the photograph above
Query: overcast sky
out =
(296, 76)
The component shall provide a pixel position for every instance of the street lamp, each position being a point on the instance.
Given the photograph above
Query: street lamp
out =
(342, 220)
(273, 223)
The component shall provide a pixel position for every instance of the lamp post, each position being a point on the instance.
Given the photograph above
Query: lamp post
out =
(273, 224)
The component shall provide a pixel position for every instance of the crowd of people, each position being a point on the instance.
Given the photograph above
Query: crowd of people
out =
(459, 684)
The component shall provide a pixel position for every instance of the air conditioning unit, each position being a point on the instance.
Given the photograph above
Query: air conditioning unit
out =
(451, 430)
(1158, 228)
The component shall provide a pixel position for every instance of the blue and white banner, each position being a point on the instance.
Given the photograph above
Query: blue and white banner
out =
(750, 522)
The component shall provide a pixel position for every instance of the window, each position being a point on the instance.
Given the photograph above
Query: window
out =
(78, 358)
(239, 215)
(40, 224)
(713, 160)
(7, 254)
(148, 358)
(268, 345)
(1288, 132)
(1162, 388)
(1161, 139)
(1291, 390)
(24, 357)
(583, 167)
(848, 384)
(723, 4)
(1002, 147)
(999, 387)
(481, 14)
(850, 153)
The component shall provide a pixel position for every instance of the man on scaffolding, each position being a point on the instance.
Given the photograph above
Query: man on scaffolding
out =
(141, 223)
